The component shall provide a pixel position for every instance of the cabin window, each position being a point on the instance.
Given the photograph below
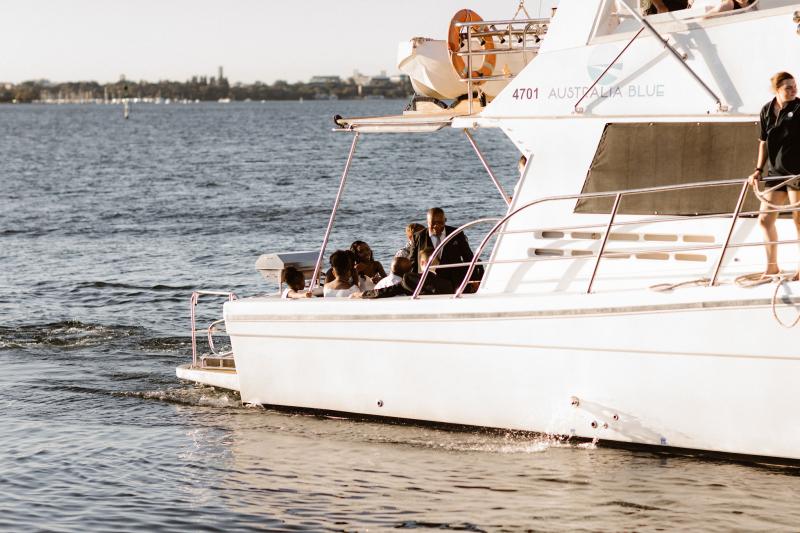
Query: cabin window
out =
(641, 155)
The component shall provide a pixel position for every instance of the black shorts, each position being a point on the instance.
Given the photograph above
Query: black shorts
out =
(791, 186)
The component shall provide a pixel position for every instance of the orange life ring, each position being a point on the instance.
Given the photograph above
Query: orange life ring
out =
(454, 45)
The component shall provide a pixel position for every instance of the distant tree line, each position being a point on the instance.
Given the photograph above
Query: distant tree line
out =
(201, 88)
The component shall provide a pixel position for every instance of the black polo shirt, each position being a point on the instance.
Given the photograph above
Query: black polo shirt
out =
(783, 138)
(671, 5)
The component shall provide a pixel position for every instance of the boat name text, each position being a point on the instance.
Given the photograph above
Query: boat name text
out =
(650, 90)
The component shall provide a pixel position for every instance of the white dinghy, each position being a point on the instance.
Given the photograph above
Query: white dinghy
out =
(439, 69)
(610, 307)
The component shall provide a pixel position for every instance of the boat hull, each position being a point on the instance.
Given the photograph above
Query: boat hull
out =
(705, 384)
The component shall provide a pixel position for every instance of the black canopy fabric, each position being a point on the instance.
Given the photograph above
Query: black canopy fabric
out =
(640, 155)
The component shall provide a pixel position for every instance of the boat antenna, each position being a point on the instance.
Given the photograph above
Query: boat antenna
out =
(521, 9)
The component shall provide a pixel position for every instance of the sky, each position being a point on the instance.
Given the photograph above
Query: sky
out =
(264, 40)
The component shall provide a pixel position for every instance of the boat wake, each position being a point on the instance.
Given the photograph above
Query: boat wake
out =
(64, 334)
(479, 441)
(76, 334)
(507, 443)
(197, 396)
(113, 285)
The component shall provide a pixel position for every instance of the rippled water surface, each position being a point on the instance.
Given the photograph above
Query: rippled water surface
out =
(106, 226)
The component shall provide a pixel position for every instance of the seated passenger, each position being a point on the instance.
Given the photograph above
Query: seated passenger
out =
(729, 5)
(400, 267)
(365, 262)
(411, 229)
(663, 6)
(363, 282)
(342, 267)
(296, 284)
(434, 284)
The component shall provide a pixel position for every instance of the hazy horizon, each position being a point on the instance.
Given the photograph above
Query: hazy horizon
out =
(85, 40)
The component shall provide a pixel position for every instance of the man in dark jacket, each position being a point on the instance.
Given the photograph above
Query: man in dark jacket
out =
(455, 251)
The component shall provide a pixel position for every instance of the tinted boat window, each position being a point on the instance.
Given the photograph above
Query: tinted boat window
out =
(640, 155)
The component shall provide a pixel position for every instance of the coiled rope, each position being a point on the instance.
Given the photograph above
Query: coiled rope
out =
(783, 278)
(746, 280)
(757, 278)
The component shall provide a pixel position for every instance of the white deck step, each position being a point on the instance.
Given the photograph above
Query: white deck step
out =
(223, 378)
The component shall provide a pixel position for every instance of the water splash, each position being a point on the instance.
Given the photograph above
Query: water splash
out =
(198, 395)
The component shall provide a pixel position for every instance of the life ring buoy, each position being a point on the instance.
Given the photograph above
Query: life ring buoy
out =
(454, 45)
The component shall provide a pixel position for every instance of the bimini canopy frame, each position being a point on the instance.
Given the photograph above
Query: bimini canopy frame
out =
(390, 124)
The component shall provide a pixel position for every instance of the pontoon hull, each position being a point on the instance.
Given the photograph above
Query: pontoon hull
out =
(706, 385)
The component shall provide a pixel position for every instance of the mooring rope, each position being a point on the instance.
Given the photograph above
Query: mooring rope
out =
(762, 195)
(666, 287)
(754, 279)
(783, 279)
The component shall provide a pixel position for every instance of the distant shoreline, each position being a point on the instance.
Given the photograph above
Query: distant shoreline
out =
(203, 90)
(201, 102)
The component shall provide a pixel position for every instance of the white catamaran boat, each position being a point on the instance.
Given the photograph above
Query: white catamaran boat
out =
(613, 305)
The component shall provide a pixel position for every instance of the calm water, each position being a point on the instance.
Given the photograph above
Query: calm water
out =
(106, 226)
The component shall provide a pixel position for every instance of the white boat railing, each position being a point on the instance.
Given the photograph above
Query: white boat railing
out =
(726, 244)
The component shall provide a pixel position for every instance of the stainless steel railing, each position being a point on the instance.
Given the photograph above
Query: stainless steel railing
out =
(513, 36)
(212, 328)
(734, 215)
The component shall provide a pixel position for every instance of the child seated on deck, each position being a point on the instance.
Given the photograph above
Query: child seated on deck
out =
(296, 284)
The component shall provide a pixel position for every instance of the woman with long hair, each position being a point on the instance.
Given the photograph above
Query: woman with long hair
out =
(365, 262)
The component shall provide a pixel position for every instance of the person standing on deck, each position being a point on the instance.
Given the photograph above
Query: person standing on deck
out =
(779, 144)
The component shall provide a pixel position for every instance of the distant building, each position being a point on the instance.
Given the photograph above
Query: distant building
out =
(219, 76)
(360, 79)
(322, 80)
(381, 79)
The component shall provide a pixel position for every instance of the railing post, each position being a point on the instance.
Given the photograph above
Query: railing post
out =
(617, 199)
(192, 305)
(318, 266)
(736, 212)
(469, 69)
(496, 182)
